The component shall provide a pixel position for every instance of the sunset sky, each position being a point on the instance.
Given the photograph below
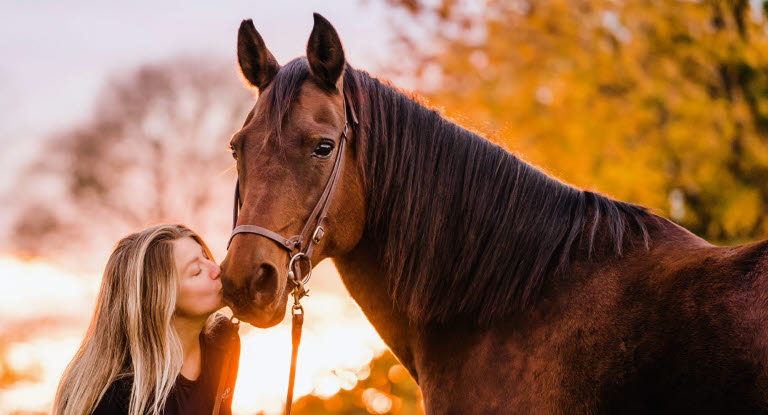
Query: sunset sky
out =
(57, 55)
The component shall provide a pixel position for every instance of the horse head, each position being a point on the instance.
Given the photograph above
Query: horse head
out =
(287, 154)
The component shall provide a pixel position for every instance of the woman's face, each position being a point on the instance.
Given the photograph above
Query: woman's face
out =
(199, 292)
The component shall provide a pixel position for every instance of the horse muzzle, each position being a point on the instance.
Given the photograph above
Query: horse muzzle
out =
(260, 299)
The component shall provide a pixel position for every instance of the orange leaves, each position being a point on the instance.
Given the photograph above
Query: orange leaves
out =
(632, 99)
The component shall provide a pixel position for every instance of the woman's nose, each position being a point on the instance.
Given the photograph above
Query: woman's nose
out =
(215, 270)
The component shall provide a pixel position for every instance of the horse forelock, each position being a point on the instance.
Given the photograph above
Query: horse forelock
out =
(283, 91)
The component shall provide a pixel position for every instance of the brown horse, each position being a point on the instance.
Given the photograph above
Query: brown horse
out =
(499, 288)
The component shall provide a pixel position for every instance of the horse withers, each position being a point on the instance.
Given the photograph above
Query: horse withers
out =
(500, 289)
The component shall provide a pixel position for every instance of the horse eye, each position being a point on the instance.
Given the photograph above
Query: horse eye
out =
(232, 150)
(323, 150)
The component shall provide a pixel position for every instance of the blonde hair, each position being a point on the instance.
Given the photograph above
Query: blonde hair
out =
(131, 333)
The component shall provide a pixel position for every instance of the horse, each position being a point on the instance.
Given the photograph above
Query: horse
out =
(499, 288)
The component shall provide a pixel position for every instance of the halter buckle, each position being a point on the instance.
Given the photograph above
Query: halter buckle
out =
(318, 234)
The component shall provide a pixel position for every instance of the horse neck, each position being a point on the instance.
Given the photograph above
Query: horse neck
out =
(423, 350)
(448, 360)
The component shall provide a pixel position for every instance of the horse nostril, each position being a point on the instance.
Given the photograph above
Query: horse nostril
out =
(263, 284)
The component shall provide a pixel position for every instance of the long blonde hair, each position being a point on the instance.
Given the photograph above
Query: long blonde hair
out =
(131, 333)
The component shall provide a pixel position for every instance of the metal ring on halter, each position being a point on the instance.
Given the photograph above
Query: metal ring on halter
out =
(293, 260)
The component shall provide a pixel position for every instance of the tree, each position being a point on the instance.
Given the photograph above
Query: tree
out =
(153, 151)
(658, 103)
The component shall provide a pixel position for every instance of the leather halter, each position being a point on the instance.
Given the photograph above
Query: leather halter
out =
(304, 243)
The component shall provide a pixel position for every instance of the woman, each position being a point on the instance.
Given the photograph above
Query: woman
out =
(155, 344)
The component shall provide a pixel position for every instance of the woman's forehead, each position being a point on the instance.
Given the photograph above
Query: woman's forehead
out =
(186, 249)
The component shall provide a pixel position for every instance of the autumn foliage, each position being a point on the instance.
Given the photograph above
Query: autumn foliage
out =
(659, 103)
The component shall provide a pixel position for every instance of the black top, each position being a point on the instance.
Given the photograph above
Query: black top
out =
(193, 397)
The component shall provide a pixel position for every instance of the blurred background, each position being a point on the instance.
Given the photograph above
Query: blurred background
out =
(114, 117)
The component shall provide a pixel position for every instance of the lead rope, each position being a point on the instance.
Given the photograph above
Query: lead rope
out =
(298, 321)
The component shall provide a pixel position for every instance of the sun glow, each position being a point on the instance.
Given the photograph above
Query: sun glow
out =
(335, 351)
(46, 312)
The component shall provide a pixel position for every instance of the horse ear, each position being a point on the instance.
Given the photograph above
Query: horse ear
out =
(325, 54)
(256, 62)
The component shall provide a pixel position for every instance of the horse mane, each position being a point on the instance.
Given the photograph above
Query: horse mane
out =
(466, 228)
